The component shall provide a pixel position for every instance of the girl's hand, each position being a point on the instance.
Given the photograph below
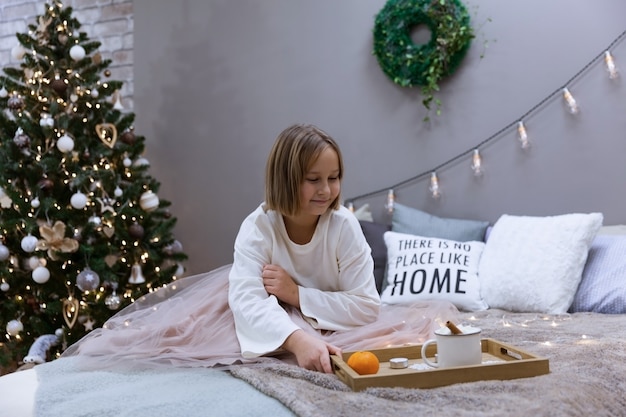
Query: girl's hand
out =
(311, 352)
(277, 282)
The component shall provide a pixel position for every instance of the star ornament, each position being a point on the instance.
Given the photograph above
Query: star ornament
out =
(106, 204)
(89, 323)
(54, 240)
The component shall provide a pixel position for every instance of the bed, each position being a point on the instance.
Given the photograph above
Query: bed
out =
(553, 286)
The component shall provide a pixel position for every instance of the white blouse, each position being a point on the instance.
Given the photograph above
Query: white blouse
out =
(334, 272)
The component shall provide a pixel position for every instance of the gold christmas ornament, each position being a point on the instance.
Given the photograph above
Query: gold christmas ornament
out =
(70, 311)
(110, 260)
(108, 231)
(107, 132)
(54, 240)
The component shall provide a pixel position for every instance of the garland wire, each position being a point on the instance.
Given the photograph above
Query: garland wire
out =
(494, 136)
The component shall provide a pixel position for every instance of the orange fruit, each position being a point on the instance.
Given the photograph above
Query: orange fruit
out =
(364, 362)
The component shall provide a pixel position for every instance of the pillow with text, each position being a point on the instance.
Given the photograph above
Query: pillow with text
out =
(425, 268)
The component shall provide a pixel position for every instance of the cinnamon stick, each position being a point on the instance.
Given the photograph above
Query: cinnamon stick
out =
(453, 328)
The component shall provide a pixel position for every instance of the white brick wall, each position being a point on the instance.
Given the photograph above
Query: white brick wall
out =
(107, 21)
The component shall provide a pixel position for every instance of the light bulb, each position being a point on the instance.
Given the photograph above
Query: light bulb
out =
(477, 163)
(571, 101)
(522, 135)
(390, 201)
(434, 185)
(610, 65)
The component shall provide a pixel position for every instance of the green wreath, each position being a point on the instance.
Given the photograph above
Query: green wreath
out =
(408, 64)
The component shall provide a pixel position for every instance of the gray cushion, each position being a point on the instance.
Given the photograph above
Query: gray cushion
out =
(413, 221)
(374, 235)
(603, 285)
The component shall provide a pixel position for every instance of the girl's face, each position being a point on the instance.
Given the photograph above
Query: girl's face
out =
(321, 184)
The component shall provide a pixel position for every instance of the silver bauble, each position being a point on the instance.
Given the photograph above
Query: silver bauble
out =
(87, 280)
(113, 301)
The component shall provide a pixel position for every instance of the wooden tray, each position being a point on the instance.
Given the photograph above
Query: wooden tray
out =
(500, 361)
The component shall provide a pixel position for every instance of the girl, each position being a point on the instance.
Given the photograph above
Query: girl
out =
(301, 286)
(301, 253)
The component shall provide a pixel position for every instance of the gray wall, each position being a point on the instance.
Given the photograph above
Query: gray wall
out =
(216, 81)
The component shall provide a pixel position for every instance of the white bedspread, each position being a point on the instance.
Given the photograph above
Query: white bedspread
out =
(65, 391)
(17, 393)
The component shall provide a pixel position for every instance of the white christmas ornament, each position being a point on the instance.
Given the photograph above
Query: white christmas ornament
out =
(14, 327)
(4, 252)
(46, 120)
(127, 162)
(65, 144)
(77, 52)
(118, 192)
(35, 203)
(117, 105)
(136, 275)
(4, 93)
(34, 262)
(149, 201)
(141, 161)
(180, 270)
(78, 201)
(94, 93)
(41, 275)
(29, 243)
(18, 52)
(95, 220)
(5, 286)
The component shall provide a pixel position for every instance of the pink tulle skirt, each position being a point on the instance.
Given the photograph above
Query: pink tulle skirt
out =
(189, 324)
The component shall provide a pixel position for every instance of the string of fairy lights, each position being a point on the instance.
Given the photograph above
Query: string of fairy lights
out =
(517, 125)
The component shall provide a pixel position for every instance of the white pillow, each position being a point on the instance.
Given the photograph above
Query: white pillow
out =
(534, 264)
(425, 268)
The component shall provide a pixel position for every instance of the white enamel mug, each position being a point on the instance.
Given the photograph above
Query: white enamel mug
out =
(455, 349)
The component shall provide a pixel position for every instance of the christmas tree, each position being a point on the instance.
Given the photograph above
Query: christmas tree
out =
(83, 232)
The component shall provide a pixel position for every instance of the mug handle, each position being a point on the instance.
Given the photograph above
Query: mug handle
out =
(424, 358)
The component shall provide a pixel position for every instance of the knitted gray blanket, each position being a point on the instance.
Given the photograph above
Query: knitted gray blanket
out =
(586, 351)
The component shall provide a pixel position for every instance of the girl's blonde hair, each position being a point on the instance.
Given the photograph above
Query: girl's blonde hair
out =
(295, 150)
